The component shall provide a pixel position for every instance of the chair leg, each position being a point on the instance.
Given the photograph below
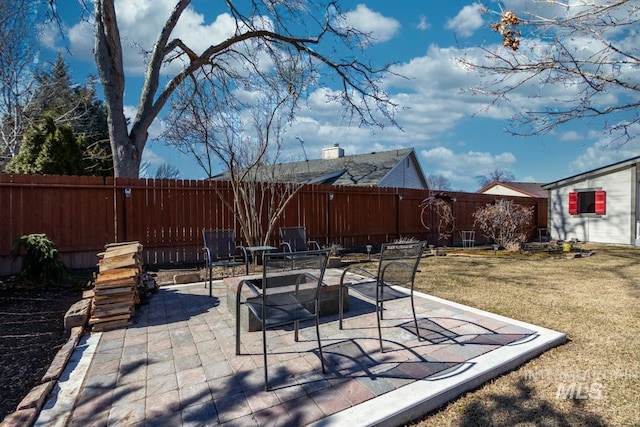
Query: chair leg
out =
(319, 343)
(378, 317)
(237, 327)
(340, 306)
(210, 280)
(415, 319)
(264, 352)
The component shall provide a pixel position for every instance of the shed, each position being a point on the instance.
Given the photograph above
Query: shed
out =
(598, 206)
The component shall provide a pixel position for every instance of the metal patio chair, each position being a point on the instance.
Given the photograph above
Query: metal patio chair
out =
(294, 239)
(221, 251)
(397, 268)
(468, 238)
(288, 293)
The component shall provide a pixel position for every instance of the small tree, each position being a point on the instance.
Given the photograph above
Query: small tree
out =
(41, 263)
(242, 131)
(505, 223)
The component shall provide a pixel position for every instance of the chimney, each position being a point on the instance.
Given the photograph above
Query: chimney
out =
(332, 152)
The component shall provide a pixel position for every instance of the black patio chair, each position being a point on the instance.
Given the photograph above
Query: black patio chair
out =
(294, 239)
(220, 250)
(288, 293)
(396, 269)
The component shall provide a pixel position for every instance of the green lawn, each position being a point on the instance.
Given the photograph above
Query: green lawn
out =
(594, 379)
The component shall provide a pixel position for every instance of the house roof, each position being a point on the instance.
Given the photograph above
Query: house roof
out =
(530, 189)
(604, 170)
(360, 169)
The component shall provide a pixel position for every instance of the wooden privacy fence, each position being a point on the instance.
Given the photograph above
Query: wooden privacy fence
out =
(82, 214)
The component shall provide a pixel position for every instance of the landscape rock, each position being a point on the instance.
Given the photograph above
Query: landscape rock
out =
(36, 396)
(181, 279)
(78, 314)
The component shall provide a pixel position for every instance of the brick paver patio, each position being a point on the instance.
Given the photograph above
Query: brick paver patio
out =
(176, 365)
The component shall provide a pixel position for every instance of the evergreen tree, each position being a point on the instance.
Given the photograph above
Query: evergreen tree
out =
(73, 107)
(49, 149)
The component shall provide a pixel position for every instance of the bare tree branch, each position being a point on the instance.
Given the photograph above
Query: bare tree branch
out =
(588, 48)
(312, 32)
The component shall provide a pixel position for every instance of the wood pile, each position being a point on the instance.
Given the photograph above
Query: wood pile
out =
(116, 287)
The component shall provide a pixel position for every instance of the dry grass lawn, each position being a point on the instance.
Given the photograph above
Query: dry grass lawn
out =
(594, 379)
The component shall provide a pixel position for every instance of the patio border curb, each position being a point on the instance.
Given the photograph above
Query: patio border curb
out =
(422, 397)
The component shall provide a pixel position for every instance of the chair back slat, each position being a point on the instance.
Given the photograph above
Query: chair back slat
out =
(399, 262)
(221, 243)
(288, 272)
(296, 237)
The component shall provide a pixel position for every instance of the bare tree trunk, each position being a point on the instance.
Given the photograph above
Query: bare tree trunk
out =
(108, 53)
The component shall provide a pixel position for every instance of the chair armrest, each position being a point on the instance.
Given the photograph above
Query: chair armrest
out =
(207, 255)
(244, 252)
(249, 285)
(357, 270)
(315, 244)
(313, 278)
(287, 246)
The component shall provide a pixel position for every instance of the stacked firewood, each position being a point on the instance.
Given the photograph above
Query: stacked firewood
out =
(116, 287)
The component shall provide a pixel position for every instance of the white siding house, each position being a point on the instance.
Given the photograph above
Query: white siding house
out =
(599, 206)
(407, 173)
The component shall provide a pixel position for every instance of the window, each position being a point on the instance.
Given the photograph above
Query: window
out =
(581, 202)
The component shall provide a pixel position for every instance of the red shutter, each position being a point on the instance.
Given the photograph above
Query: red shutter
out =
(601, 202)
(573, 203)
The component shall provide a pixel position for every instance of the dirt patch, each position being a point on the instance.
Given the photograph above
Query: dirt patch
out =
(31, 333)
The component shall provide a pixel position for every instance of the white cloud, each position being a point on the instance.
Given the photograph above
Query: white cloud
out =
(379, 27)
(606, 151)
(467, 20)
(463, 168)
(151, 157)
(81, 40)
(571, 135)
(423, 24)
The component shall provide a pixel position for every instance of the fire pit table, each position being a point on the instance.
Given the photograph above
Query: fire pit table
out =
(329, 294)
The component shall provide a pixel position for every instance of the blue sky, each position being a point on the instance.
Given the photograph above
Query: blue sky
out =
(454, 133)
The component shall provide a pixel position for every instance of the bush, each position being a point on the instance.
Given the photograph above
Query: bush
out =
(505, 223)
(41, 263)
